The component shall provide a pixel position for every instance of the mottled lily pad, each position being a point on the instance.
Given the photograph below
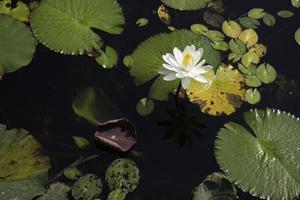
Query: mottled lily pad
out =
(24, 170)
(224, 94)
(215, 187)
(119, 134)
(20, 12)
(57, 191)
(17, 45)
(87, 187)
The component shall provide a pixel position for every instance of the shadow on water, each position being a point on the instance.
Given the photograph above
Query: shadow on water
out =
(39, 98)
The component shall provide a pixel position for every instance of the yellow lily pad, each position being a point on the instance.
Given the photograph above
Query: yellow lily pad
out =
(222, 96)
(21, 12)
(249, 37)
(231, 29)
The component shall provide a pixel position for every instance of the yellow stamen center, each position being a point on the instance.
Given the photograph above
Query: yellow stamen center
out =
(187, 59)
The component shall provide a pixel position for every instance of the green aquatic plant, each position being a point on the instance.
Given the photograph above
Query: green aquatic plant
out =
(145, 106)
(72, 173)
(20, 12)
(186, 4)
(297, 36)
(57, 191)
(147, 59)
(108, 58)
(65, 26)
(215, 187)
(285, 13)
(81, 142)
(17, 45)
(87, 187)
(24, 170)
(264, 160)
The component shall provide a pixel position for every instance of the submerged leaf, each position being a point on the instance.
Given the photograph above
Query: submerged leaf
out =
(17, 45)
(264, 161)
(213, 19)
(57, 191)
(81, 142)
(223, 96)
(186, 4)
(88, 187)
(147, 59)
(65, 26)
(122, 174)
(215, 187)
(145, 106)
(24, 170)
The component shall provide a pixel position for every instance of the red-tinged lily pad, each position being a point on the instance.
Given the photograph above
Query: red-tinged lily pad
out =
(118, 134)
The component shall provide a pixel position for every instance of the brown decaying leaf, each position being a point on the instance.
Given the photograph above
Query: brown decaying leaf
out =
(164, 15)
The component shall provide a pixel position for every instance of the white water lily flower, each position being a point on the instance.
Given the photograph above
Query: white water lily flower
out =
(185, 65)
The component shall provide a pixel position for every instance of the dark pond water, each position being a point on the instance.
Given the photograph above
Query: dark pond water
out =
(39, 98)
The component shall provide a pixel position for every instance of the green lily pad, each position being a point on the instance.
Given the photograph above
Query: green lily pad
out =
(252, 81)
(87, 187)
(199, 29)
(237, 46)
(186, 4)
(72, 173)
(269, 20)
(57, 191)
(221, 46)
(147, 59)
(264, 160)
(257, 13)
(215, 187)
(21, 12)
(266, 73)
(17, 45)
(117, 194)
(285, 14)
(248, 22)
(109, 58)
(122, 174)
(145, 106)
(252, 96)
(231, 28)
(24, 171)
(94, 106)
(142, 21)
(295, 3)
(250, 70)
(297, 36)
(128, 61)
(65, 26)
(81, 142)
(215, 36)
(250, 58)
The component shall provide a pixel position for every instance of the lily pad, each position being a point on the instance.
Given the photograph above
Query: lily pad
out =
(122, 174)
(57, 191)
(257, 13)
(186, 4)
(249, 37)
(252, 96)
(145, 106)
(88, 187)
(65, 26)
(231, 29)
(285, 13)
(248, 22)
(119, 134)
(24, 170)
(266, 73)
(215, 187)
(17, 45)
(295, 3)
(72, 173)
(246, 156)
(108, 58)
(94, 106)
(297, 36)
(148, 59)
(21, 12)
(224, 94)
(237, 46)
(269, 20)
(81, 142)
(117, 194)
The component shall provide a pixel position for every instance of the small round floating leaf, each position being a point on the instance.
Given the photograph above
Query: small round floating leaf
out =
(257, 13)
(57, 191)
(249, 37)
(297, 36)
(250, 58)
(122, 174)
(252, 81)
(215, 36)
(285, 14)
(142, 21)
(259, 49)
(148, 59)
(231, 29)
(223, 95)
(186, 4)
(17, 45)
(213, 19)
(233, 57)
(65, 26)
(266, 73)
(145, 106)
(72, 173)
(252, 96)
(269, 20)
(109, 58)
(81, 142)
(87, 187)
(128, 61)
(215, 187)
(295, 3)
(248, 22)
(237, 46)
(222, 46)
(199, 29)
(273, 143)
(250, 70)
(117, 194)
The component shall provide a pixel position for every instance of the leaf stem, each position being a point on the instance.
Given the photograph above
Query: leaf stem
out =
(177, 99)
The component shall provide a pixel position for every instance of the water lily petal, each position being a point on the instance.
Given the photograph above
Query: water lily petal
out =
(201, 69)
(197, 55)
(170, 59)
(170, 77)
(180, 75)
(178, 55)
(201, 79)
(185, 82)
(172, 68)
(164, 71)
